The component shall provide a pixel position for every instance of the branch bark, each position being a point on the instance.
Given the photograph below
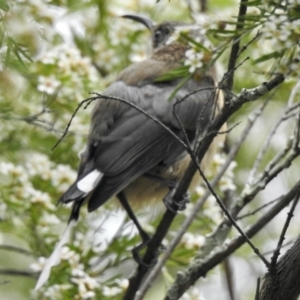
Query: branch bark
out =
(284, 282)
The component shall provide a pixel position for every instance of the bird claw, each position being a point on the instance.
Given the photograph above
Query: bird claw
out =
(173, 205)
(136, 256)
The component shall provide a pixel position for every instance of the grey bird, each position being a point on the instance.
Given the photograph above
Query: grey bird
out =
(130, 156)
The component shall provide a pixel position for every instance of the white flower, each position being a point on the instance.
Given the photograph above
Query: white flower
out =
(56, 291)
(122, 283)
(39, 265)
(193, 59)
(226, 184)
(38, 164)
(200, 190)
(191, 241)
(6, 167)
(62, 176)
(49, 219)
(48, 85)
(39, 197)
(69, 255)
(111, 291)
(86, 285)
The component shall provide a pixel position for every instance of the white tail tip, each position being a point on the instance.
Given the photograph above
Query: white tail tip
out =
(89, 182)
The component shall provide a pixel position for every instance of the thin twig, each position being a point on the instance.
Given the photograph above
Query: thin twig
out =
(266, 144)
(88, 100)
(236, 43)
(244, 47)
(282, 235)
(16, 249)
(251, 213)
(282, 246)
(257, 289)
(12, 272)
(232, 221)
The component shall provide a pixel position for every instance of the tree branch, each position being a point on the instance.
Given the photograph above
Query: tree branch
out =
(201, 266)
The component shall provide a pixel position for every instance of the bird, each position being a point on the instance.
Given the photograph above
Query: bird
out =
(130, 156)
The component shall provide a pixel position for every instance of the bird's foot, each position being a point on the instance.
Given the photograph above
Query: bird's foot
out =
(173, 205)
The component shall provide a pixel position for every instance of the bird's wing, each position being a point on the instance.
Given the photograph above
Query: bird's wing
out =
(136, 143)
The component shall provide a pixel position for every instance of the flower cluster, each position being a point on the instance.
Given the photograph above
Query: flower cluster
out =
(19, 182)
(281, 35)
(192, 241)
(70, 69)
(281, 31)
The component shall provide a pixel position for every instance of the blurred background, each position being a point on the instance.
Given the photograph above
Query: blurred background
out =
(52, 54)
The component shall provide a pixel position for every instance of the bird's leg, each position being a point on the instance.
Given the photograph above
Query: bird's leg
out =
(168, 200)
(144, 235)
(173, 205)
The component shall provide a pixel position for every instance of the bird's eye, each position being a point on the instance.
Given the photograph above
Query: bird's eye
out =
(158, 35)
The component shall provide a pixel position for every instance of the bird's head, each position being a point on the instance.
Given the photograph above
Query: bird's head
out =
(167, 32)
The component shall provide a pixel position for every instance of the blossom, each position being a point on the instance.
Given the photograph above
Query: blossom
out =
(39, 197)
(62, 176)
(111, 291)
(194, 60)
(38, 164)
(39, 265)
(86, 285)
(191, 241)
(48, 85)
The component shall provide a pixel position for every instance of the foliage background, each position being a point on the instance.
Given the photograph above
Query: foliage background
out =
(52, 54)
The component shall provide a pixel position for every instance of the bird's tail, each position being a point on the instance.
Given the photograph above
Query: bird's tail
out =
(54, 258)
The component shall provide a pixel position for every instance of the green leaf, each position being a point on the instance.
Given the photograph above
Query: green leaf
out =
(269, 56)
(173, 74)
(188, 38)
(4, 5)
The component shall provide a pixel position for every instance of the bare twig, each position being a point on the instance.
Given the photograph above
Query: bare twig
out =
(236, 43)
(16, 249)
(286, 114)
(257, 289)
(244, 47)
(282, 235)
(232, 221)
(251, 213)
(282, 246)
(88, 100)
(12, 272)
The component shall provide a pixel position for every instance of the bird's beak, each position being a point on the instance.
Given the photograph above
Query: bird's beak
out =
(145, 21)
